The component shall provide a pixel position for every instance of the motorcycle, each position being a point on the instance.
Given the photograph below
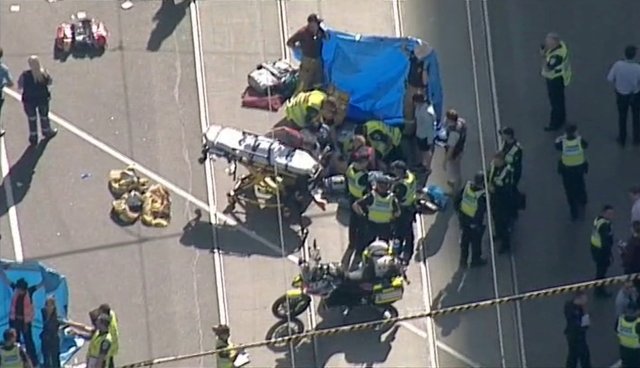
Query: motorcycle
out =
(324, 279)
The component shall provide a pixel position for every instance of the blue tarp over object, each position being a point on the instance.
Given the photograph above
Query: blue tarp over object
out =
(53, 283)
(373, 70)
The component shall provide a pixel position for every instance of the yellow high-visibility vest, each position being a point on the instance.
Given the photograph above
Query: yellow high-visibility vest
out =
(226, 359)
(393, 135)
(596, 239)
(381, 210)
(572, 152)
(96, 342)
(627, 335)
(353, 178)
(563, 70)
(296, 109)
(410, 184)
(11, 358)
(469, 203)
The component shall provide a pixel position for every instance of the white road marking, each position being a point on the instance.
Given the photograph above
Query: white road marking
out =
(476, 89)
(10, 202)
(425, 274)
(219, 216)
(498, 125)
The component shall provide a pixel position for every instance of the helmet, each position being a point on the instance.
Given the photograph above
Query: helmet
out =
(378, 248)
(383, 265)
(383, 180)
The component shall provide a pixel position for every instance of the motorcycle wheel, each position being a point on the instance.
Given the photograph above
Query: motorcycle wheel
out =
(285, 308)
(393, 312)
(284, 329)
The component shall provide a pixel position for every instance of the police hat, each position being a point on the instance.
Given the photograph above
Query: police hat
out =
(383, 179)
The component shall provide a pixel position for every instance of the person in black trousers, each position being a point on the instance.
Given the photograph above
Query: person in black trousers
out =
(577, 319)
(556, 70)
(50, 336)
(34, 84)
(625, 77)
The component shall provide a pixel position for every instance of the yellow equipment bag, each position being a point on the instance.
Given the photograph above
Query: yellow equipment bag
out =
(124, 181)
(386, 294)
(156, 207)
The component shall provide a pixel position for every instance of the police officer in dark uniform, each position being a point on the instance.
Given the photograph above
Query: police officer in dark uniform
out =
(471, 205)
(572, 167)
(578, 322)
(601, 245)
(513, 153)
(381, 209)
(357, 185)
(502, 201)
(405, 190)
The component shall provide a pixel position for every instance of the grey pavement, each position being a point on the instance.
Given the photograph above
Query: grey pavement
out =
(142, 103)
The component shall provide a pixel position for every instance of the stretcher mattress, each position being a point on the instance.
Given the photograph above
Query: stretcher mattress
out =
(254, 150)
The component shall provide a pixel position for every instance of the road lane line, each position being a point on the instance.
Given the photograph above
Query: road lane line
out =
(466, 360)
(425, 273)
(476, 89)
(498, 123)
(10, 202)
(221, 218)
(212, 202)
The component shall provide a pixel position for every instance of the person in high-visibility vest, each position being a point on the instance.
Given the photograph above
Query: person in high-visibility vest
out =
(405, 189)
(628, 329)
(556, 70)
(512, 151)
(601, 245)
(226, 358)
(358, 186)
(502, 196)
(100, 353)
(471, 205)
(308, 110)
(381, 209)
(12, 355)
(572, 166)
(384, 139)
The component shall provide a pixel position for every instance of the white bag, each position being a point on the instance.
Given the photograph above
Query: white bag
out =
(270, 75)
(242, 359)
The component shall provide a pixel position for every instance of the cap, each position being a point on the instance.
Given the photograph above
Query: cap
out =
(314, 18)
(508, 131)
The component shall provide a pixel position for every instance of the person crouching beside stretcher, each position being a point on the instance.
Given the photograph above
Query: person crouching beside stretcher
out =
(384, 139)
(298, 139)
(308, 110)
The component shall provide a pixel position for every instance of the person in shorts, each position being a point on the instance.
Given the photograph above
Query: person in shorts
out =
(425, 131)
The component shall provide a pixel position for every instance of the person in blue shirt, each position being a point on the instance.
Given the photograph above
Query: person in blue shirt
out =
(5, 81)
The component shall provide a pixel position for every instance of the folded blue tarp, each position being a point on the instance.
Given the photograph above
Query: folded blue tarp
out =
(373, 70)
(34, 273)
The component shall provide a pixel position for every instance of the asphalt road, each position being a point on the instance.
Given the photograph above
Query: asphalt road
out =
(140, 99)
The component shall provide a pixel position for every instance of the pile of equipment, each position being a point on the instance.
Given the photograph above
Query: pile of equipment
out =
(277, 175)
(81, 34)
(136, 198)
(270, 85)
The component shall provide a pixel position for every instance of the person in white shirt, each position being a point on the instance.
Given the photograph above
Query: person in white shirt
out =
(425, 129)
(625, 76)
(634, 193)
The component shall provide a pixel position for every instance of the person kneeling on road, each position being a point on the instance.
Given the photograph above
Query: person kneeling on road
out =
(471, 205)
(381, 208)
(308, 110)
(384, 139)
(405, 190)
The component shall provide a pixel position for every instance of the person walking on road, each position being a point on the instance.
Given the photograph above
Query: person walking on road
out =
(625, 77)
(512, 151)
(601, 245)
(472, 207)
(309, 40)
(556, 70)
(456, 128)
(634, 193)
(577, 319)
(572, 166)
(425, 132)
(5, 81)
(628, 329)
(34, 84)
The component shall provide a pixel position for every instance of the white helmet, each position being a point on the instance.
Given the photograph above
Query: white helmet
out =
(378, 248)
(383, 265)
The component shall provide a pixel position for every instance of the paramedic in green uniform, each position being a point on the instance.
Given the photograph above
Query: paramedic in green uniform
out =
(12, 355)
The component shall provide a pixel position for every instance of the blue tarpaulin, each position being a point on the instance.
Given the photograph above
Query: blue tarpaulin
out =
(52, 283)
(373, 70)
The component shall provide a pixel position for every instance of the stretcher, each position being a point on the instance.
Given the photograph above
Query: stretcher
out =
(277, 175)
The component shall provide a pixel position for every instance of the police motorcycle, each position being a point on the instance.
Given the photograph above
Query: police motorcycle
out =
(277, 176)
(328, 281)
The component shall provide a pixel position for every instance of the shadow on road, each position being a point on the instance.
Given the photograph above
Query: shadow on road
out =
(366, 348)
(200, 234)
(20, 176)
(167, 19)
(449, 296)
(434, 239)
